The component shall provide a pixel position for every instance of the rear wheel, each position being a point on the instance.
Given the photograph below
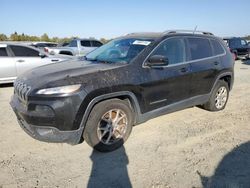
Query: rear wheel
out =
(218, 98)
(109, 125)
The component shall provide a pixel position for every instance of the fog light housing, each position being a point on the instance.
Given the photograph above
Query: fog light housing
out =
(44, 110)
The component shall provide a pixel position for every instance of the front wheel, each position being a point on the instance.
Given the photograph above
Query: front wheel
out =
(218, 98)
(109, 125)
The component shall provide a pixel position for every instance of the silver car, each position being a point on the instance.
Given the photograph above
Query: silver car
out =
(76, 47)
(15, 59)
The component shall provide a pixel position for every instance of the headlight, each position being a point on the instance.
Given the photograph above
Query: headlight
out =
(59, 90)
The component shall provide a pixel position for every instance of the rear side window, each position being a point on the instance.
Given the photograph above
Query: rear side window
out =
(85, 43)
(96, 44)
(3, 52)
(218, 49)
(199, 48)
(21, 51)
(51, 45)
(173, 49)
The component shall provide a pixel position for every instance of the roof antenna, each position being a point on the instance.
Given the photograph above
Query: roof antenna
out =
(195, 29)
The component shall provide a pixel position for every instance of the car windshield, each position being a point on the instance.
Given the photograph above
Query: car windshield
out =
(119, 50)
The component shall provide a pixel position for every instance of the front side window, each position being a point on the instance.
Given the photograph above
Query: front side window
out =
(218, 49)
(199, 48)
(119, 50)
(173, 49)
(3, 52)
(85, 43)
(234, 43)
(21, 51)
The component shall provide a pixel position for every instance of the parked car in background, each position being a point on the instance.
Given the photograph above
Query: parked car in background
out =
(62, 44)
(42, 45)
(76, 47)
(238, 46)
(15, 59)
(125, 82)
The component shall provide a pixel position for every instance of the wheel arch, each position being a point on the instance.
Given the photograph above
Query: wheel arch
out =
(227, 77)
(122, 95)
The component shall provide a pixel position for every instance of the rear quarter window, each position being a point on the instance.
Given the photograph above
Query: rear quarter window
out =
(199, 48)
(217, 47)
(3, 52)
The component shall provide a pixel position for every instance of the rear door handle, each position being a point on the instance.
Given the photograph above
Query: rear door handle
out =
(20, 61)
(184, 69)
(216, 63)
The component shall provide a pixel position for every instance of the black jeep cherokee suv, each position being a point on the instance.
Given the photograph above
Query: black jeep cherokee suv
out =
(125, 82)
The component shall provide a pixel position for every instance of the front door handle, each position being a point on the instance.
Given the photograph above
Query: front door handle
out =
(216, 63)
(20, 61)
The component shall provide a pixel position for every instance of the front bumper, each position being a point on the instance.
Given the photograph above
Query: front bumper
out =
(51, 134)
(42, 125)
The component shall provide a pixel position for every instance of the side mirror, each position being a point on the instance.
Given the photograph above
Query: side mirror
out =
(157, 60)
(42, 55)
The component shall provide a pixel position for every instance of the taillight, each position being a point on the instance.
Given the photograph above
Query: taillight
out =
(46, 50)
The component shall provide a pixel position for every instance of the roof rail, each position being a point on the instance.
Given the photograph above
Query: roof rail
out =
(187, 31)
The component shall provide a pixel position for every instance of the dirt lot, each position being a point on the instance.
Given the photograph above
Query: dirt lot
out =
(189, 148)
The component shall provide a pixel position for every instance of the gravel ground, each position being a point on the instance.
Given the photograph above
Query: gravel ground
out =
(190, 148)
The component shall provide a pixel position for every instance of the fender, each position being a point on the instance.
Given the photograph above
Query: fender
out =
(94, 101)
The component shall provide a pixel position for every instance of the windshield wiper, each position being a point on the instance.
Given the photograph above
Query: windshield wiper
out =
(99, 60)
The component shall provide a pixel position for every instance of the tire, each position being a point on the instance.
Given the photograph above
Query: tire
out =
(216, 105)
(101, 124)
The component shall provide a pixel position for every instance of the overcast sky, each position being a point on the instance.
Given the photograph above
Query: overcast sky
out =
(112, 18)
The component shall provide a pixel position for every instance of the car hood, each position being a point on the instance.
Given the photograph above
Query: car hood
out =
(63, 73)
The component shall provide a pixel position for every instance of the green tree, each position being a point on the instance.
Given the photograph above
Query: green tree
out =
(247, 37)
(23, 37)
(3, 37)
(45, 37)
(14, 36)
(54, 39)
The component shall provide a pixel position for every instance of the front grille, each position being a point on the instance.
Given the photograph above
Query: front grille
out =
(21, 89)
